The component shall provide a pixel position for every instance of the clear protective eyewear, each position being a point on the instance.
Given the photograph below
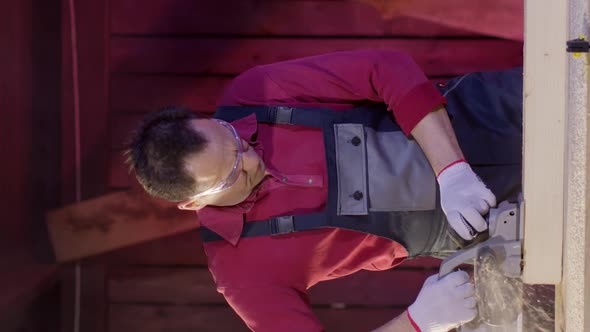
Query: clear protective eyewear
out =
(192, 203)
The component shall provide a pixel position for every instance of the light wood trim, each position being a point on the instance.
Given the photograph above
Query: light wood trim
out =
(113, 221)
(544, 139)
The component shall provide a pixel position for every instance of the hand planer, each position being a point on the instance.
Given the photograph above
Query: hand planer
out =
(497, 259)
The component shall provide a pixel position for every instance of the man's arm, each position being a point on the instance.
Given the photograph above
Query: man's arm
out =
(437, 139)
(341, 78)
(464, 197)
(440, 306)
(275, 309)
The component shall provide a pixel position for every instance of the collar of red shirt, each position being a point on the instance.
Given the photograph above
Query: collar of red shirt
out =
(228, 221)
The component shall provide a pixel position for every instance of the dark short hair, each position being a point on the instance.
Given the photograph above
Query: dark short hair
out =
(157, 151)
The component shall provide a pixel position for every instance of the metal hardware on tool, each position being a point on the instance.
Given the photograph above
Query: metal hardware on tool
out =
(504, 234)
(501, 255)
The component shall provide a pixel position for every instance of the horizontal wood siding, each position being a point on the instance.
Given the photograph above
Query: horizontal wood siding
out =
(182, 52)
(158, 318)
(230, 56)
(155, 295)
(268, 18)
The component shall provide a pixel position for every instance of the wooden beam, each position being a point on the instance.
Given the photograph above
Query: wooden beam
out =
(544, 140)
(114, 221)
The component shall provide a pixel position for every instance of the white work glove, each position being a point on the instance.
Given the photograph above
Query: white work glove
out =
(444, 304)
(464, 199)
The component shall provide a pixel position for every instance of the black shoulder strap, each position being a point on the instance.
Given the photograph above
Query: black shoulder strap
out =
(311, 117)
(389, 225)
(274, 226)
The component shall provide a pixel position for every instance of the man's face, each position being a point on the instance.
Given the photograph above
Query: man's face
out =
(214, 164)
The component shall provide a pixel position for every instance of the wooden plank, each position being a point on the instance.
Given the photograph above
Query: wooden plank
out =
(269, 18)
(158, 318)
(502, 18)
(114, 221)
(182, 286)
(544, 112)
(230, 56)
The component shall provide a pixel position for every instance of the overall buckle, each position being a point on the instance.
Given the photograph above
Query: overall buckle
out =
(281, 225)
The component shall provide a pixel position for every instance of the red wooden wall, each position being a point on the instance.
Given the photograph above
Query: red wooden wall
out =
(140, 55)
(29, 166)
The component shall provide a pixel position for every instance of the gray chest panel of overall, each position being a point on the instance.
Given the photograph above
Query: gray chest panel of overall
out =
(380, 171)
(379, 181)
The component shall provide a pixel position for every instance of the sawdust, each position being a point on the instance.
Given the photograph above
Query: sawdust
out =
(506, 303)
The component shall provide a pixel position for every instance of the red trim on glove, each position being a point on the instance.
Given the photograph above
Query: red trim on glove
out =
(451, 164)
(412, 322)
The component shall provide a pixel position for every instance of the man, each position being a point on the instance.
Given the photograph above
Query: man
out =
(311, 144)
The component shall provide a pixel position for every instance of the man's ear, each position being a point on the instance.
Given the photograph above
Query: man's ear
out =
(191, 205)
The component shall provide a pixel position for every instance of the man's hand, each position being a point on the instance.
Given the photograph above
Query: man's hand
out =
(464, 199)
(444, 304)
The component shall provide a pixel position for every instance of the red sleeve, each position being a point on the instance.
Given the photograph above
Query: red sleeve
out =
(271, 309)
(344, 77)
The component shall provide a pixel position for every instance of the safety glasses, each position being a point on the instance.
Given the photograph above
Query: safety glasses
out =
(193, 203)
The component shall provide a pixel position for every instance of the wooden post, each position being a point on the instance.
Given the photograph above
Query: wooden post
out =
(544, 139)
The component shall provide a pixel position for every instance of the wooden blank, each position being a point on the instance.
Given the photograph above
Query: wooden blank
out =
(114, 221)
